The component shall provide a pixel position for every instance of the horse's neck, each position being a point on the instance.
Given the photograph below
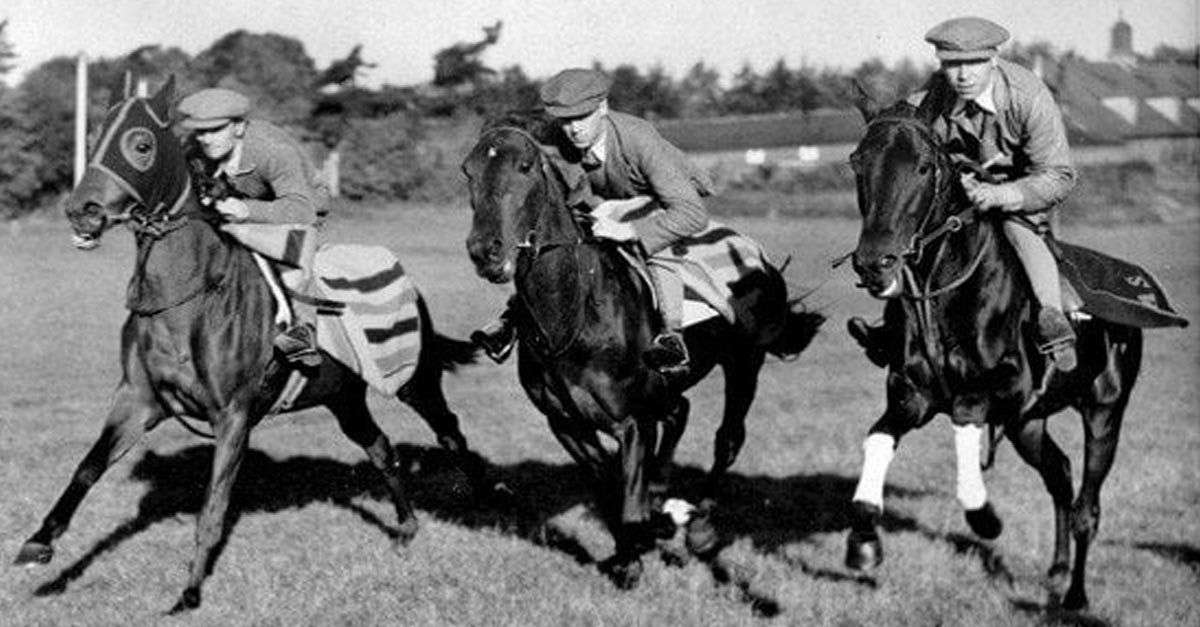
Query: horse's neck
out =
(185, 262)
(975, 272)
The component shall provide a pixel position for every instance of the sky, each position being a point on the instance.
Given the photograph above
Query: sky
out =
(544, 36)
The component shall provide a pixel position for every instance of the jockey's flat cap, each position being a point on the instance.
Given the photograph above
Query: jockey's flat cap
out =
(967, 39)
(213, 108)
(574, 92)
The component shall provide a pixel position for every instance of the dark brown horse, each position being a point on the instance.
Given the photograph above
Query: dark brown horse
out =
(198, 342)
(958, 292)
(585, 319)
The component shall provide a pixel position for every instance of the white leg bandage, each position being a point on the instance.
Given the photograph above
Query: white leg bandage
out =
(878, 450)
(972, 494)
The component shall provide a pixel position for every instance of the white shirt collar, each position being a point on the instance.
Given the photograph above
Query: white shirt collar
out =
(986, 99)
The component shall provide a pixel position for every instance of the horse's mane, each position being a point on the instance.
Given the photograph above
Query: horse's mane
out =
(543, 127)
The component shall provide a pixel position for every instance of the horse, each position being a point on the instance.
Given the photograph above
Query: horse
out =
(584, 319)
(967, 348)
(199, 342)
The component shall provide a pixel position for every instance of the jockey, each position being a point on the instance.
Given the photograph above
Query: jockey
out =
(623, 157)
(997, 113)
(271, 181)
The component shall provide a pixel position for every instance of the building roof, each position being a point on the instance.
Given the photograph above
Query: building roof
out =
(1106, 101)
(728, 133)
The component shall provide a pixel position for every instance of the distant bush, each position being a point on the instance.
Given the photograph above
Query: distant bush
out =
(400, 157)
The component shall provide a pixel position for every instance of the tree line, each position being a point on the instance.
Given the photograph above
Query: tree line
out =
(389, 122)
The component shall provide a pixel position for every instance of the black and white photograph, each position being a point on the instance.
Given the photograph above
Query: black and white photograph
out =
(604, 313)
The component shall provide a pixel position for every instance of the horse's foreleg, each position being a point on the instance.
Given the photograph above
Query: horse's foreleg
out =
(232, 435)
(356, 422)
(971, 491)
(128, 420)
(636, 527)
(864, 549)
(1038, 450)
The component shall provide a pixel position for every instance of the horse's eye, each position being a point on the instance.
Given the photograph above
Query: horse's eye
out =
(525, 166)
(138, 146)
(923, 169)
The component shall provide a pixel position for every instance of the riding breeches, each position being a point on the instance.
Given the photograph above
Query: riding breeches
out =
(1040, 266)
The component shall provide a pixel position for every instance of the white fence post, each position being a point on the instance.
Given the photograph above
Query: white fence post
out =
(81, 102)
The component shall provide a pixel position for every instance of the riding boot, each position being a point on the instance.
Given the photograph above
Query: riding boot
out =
(498, 338)
(667, 353)
(1056, 338)
(873, 338)
(298, 342)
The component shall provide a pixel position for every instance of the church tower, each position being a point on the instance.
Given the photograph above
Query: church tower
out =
(1121, 43)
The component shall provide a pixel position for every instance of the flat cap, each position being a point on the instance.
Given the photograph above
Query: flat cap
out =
(967, 39)
(213, 107)
(574, 92)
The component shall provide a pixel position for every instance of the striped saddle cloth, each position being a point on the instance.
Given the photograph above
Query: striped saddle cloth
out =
(378, 333)
(710, 263)
(370, 321)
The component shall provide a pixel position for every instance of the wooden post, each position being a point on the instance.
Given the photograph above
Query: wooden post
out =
(333, 173)
(81, 102)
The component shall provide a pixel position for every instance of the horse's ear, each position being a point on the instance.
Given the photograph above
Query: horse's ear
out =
(161, 102)
(128, 90)
(119, 89)
(866, 104)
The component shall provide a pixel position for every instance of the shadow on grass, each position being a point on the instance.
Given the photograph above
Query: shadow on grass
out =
(771, 512)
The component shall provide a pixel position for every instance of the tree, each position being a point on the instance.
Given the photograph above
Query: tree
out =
(459, 65)
(6, 51)
(1164, 53)
(20, 157)
(274, 71)
(700, 92)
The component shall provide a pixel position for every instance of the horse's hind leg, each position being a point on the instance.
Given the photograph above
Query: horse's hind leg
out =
(674, 424)
(1102, 418)
(1036, 447)
(423, 392)
(128, 420)
(741, 385)
(356, 422)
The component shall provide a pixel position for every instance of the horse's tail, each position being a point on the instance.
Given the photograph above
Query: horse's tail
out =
(799, 329)
(453, 352)
(449, 352)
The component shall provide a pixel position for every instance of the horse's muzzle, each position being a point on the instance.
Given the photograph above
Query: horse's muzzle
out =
(879, 276)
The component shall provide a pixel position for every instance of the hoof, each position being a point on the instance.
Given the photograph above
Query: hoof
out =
(625, 573)
(34, 554)
(984, 522)
(1076, 600)
(189, 600)
(701, 537)
(407, 531)
(864, 551)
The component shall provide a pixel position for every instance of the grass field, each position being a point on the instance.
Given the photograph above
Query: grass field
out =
(309, 543)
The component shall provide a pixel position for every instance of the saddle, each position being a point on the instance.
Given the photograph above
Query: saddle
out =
(367, 316)
(1113, 289)
(723, 274)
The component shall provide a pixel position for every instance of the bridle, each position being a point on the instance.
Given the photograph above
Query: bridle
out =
(530, 249)
(924, 236)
